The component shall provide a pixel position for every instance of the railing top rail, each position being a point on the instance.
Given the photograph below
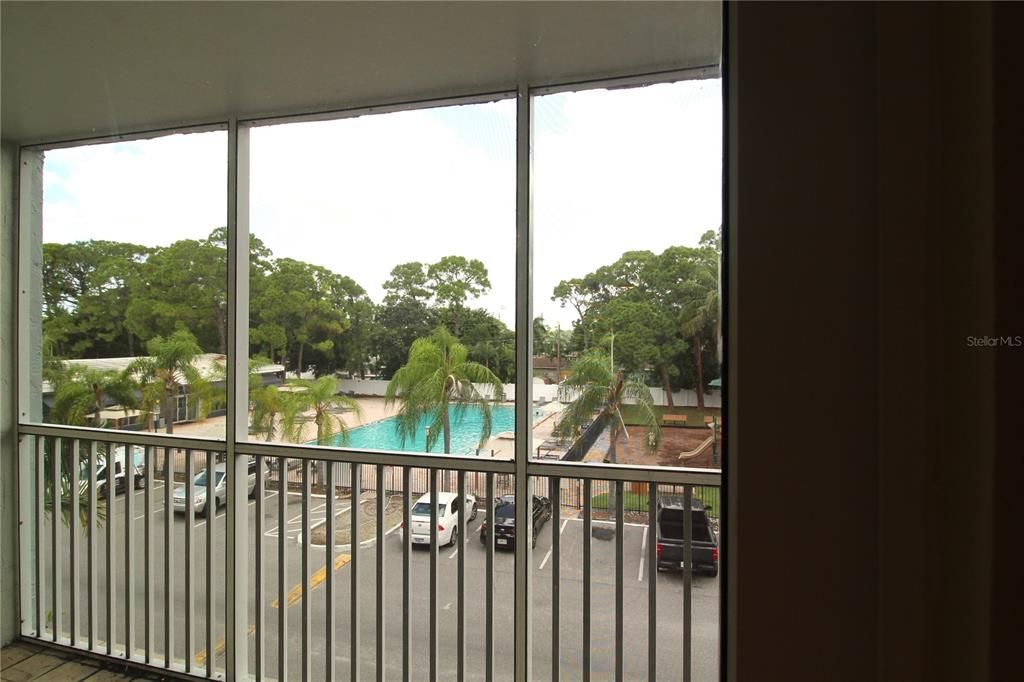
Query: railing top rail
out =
(130, 437)
(385, 457)
(626, 472)
(580, 470)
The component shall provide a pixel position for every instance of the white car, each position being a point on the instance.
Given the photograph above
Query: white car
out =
(220, 488)
(447, 518)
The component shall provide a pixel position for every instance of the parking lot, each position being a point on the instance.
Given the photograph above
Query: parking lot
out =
(570, 590)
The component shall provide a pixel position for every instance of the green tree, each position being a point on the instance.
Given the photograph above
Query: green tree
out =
(593, 387)
(169, 367)
(581, 294)
(700, 317)
(350, 349)
(396, 326)
(489, 340)
(300, 307)
(407, 282)
(437, 380)
(455, 279)
(183, 286)
(86, 293)
(81, 392)
(646, 337)
(322, 398)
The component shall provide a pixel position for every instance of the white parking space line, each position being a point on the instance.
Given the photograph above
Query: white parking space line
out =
(143, 515)
(223, 513)
(548, 555)
(643, 546)
(294, 525)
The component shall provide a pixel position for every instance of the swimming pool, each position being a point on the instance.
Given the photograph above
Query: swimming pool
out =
(383, 435)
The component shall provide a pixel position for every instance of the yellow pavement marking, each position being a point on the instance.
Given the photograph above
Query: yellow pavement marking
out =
(319, 575)
(294, 595)
(219, 647)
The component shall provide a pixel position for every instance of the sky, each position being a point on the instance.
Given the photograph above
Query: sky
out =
(613, 171)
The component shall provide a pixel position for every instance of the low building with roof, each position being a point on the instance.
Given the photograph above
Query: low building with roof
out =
(211, 366)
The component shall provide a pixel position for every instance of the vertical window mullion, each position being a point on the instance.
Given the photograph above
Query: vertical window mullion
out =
(524, 384)
(237, 573)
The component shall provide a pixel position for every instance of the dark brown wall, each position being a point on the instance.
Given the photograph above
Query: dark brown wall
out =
(805, 295)
(878, 224)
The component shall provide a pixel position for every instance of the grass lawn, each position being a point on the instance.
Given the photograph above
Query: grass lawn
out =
(637, 502)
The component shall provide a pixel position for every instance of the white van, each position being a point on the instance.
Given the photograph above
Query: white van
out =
(137, 469)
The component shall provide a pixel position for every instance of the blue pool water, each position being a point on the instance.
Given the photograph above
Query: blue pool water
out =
(383, 435)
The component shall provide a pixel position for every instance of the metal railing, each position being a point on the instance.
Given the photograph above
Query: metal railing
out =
(141, 575)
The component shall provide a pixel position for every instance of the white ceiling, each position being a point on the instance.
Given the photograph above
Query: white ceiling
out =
(83, 69)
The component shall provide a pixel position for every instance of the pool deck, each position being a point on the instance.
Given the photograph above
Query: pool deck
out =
(372, 410)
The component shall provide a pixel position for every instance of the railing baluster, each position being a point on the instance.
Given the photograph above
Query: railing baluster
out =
(40, 447)
(148, 533)
(261, 620)
(586, 576)
(190, 520)
(687, 580)
(357, 492)
(128, 468)
(555, 492)
(282, 572)
(331, 530)
(93, 530)
(433, 574)
(211, 657)
(306, 541)
(168, 553)
(406, 575)
(111, 494)
(55, 524)
(619, 579)
(489, 650)
(382, 502)
(652, 582)
(74, 531)
(460, 641)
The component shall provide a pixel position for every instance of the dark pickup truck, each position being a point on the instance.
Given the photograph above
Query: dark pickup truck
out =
(671, 510)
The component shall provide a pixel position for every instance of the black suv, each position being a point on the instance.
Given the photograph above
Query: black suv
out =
(505, 520)
(671, 510)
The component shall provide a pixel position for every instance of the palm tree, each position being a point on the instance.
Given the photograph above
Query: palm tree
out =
(170, 365)
(321, 396)
(698, 313)
(437, 378)
(593, 387)
(83, 391)
(267, 407)
(700, 306)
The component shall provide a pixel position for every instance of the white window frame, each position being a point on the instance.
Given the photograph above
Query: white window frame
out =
(523, 467)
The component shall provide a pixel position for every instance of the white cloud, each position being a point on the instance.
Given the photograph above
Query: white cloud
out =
(613, 171)
(148, 192)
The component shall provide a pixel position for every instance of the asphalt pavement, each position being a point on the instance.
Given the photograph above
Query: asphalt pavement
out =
(705, 596)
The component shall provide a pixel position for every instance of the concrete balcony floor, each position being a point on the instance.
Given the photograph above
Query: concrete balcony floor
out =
(21, 661)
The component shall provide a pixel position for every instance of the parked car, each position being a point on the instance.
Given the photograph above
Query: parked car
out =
(136, 471)
(447, 518)
(220, 488)
(505, 520)
(671, 510)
